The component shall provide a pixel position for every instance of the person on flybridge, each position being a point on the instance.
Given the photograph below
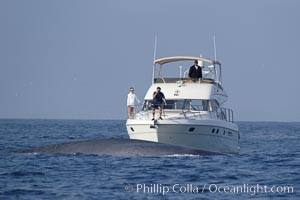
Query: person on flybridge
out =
(132, 101)
(195, 71)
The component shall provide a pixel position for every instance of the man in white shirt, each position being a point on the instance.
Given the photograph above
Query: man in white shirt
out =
(132, 101)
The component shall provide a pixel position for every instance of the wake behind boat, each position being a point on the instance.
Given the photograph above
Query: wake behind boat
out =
(194, 115)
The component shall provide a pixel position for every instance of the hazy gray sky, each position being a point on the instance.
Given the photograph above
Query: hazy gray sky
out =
(77, 59)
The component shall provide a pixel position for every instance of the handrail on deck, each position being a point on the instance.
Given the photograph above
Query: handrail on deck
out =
(220, 113)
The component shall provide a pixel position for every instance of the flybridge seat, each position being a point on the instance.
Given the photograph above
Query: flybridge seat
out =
(185, 80)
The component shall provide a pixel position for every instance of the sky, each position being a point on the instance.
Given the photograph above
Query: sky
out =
(76, 59)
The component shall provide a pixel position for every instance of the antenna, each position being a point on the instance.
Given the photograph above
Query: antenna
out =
(218, 76)
(154, 57)
(215, 52)
(154, 54)
(215, 48)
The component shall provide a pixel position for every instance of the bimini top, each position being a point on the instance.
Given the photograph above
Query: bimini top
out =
(165, 60)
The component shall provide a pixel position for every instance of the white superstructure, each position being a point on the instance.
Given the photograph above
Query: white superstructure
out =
(194, 115)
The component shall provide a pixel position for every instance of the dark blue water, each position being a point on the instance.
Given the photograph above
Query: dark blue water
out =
(269, 158)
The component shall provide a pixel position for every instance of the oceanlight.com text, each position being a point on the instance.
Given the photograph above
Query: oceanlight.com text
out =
(164, 189)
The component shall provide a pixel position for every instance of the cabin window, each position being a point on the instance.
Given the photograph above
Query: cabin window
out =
(198, 105)
(174, 104)
(179, 104)
(171, 104)
(191, 129)
(213, 105)
(186, 104)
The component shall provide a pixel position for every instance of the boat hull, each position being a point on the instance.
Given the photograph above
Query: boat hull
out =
(209, 135)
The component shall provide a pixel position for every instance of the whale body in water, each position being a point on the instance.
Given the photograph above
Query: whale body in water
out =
(116, 147)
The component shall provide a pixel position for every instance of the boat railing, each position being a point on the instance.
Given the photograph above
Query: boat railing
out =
(188, 80)
(184, 80)
(188, 112)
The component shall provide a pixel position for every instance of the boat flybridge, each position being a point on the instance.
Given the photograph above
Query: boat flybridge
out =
(194, 115)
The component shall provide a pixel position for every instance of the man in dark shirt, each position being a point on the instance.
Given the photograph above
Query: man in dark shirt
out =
(195, 71)
(158, 99)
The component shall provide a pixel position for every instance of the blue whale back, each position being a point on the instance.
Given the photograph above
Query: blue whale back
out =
(116, 147)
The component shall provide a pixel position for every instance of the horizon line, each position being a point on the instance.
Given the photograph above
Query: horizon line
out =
(124, 119)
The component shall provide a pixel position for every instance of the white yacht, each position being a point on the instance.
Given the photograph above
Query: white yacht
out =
(194, 115)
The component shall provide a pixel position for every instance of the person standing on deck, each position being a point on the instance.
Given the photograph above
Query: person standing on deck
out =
(132, 101)
(158, 99)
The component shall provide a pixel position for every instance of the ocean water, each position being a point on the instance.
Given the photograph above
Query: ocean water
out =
(267, 167)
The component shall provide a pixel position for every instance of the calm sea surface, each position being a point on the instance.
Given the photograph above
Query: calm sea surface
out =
(268, 166)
